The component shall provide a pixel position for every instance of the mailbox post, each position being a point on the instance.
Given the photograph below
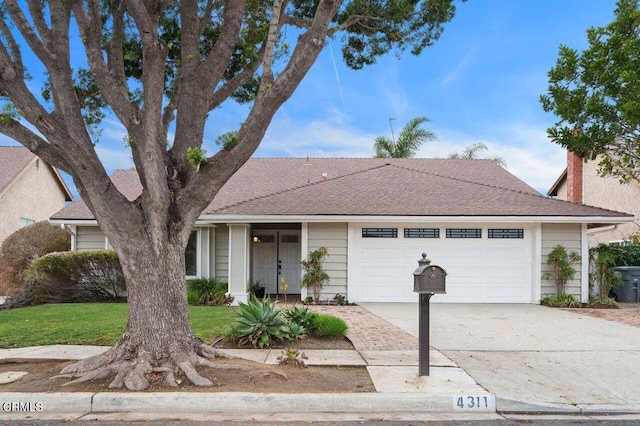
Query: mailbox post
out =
(427, 280)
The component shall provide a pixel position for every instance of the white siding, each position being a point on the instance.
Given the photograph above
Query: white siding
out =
(221, 252)
(89, 238)
(334, 237)
(570, 236)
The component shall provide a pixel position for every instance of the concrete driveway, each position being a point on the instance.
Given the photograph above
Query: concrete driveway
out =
(532, 356)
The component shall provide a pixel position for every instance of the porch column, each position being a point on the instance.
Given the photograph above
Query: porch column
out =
(239, 235)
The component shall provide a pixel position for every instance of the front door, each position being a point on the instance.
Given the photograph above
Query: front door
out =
(276, 254)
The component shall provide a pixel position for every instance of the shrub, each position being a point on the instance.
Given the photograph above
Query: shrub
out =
(258, 322)
(207, 291)
(71, 277)
(563, 301)
(24, 246)
(329, 326)
(562, 272)
(604, 303)
(314, 274)
(623, 255)
(340, 299)
(604, 277)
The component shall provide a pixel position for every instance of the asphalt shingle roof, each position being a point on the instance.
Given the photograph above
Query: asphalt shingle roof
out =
(371, 187)
(13, 159)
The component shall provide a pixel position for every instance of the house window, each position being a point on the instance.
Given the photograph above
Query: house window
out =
(191, 255)
(289, 239)
(24, 222)
(421, 233)
(464, 233)
(379, 232)
(506, 233)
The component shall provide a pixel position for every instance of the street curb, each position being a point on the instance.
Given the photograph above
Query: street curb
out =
(513, 406)
(273, 402)
(42, 402)
(227, 402)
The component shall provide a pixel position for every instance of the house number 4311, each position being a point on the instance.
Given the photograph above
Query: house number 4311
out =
(486, 403)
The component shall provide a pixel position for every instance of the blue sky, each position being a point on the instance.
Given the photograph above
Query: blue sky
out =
(481, 82)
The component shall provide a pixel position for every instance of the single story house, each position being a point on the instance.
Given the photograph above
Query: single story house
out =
(489, 230)
(30, 190)
(581, 183)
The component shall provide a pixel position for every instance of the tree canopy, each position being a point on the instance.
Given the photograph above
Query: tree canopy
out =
(162, 68)
(472, 152)
(411, 137)
(596, 95)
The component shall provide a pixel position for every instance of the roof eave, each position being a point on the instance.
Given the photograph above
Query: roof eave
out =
(553, 192)
(369, 218)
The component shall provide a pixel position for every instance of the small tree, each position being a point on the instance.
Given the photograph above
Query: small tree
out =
(561, 261)
(604, 276)
(314, 274)
(472, 152)
(411, 137)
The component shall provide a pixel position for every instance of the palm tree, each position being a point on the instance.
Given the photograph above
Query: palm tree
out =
(471, 153)
(410, 138)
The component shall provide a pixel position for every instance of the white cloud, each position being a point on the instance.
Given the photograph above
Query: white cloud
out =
(526, 149)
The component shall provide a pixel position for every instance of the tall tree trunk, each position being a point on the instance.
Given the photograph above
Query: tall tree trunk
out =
(158, 338)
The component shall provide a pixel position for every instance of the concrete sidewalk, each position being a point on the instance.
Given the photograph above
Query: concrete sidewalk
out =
(533, 358)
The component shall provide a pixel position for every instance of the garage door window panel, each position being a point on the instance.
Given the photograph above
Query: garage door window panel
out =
(464, 233)
(506, 233)
(379, 232)
(421, 233)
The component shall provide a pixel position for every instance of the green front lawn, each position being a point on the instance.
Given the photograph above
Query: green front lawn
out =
(93, 324)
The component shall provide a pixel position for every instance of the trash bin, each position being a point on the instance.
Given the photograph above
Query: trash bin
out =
(628, 290)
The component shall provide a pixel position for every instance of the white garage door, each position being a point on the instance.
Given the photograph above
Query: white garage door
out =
(480, 269)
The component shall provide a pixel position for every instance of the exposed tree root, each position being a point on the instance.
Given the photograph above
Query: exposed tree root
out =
(131, 368)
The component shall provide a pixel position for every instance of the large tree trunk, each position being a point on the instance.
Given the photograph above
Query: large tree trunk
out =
(158, 338)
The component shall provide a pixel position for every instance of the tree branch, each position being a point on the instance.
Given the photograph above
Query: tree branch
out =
(272, 38)
(225, 163)
(27, 32)
(112, 85)
(35, 144)
(35, 10)
(222, 93)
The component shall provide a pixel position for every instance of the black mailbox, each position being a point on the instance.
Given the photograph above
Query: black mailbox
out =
(429, 278)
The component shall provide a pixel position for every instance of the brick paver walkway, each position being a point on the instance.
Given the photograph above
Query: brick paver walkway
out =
(368, 331)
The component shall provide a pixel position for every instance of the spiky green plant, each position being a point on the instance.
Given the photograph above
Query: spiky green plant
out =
(296, 331)
(300, 315)
(258, 322)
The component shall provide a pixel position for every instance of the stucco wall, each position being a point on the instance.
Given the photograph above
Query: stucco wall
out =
(35, 195)
(609, 193)
(334, 237)
(570, 236)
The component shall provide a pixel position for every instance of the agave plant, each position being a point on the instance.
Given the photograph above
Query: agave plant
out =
(296, 331)
(258, 322)
(301, 316)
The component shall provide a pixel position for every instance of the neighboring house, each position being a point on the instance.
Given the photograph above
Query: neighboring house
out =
(489, 230)
(580, 183)
(30, 190)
